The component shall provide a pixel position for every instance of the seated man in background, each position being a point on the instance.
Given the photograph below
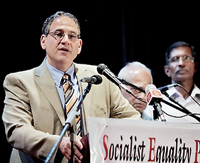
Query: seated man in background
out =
(181, 67)
(135, 73)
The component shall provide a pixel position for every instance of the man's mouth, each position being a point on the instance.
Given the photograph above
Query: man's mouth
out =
(64, 49)
(139, 105)
(181, 71)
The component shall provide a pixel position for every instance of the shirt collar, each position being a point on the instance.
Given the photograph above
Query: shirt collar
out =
(57, 74)
(173, 92)
(195, 92)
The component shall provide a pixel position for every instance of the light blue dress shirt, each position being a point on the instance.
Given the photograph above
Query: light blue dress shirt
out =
(57, 77)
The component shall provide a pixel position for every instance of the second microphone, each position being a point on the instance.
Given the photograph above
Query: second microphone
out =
(95, 79)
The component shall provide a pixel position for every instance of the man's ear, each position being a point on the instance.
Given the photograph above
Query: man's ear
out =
(166, 69)
(80, 46)
(43, 42)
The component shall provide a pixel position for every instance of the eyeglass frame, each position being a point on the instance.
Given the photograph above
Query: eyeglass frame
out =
(188, 59)
(132, 86)
(53, 34)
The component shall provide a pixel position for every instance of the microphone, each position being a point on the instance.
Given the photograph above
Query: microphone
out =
(152, 94)
(95, 79)
(165, 88)
(103, 69)
(154, 97)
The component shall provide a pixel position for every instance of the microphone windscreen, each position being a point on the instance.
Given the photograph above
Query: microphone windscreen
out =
(149, 86)
(152, 94)
(101, 67)
(98, 79)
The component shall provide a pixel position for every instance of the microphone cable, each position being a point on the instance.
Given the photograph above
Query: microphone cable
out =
(173, 100)
(180, 116)
(188, 94)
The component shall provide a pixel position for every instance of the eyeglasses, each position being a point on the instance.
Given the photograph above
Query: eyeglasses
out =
(185, 58)
(135, 90)
(59, 35)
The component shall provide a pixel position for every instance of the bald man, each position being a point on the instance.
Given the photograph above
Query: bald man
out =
(139, 75)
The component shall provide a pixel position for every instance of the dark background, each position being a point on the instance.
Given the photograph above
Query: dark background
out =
(112, 33)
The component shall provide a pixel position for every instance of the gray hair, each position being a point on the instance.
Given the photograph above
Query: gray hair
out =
(122, 73)
(47, 23)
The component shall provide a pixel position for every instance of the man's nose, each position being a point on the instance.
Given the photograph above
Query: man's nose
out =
(181, 61)
(141, 95)
(65, 39)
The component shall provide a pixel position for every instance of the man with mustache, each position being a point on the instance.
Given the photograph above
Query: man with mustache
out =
(181, 67)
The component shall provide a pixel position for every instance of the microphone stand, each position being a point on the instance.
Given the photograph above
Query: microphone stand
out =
(69, 126)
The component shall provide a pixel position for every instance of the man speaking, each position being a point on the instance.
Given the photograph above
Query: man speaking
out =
(38, 101)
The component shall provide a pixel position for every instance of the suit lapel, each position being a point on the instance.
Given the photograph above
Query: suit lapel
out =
(46, 84)
(81, 72)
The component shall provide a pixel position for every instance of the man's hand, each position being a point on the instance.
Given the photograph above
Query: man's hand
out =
(65, 148)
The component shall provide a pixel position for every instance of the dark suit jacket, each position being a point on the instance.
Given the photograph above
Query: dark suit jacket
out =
(33, 115)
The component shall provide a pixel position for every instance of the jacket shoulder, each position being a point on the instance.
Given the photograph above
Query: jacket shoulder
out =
(12, 77)
(86, 66)
(86, 69)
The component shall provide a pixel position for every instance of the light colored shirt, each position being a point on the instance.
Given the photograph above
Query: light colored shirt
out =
(57, 77)
(147, 114)
(188, 103)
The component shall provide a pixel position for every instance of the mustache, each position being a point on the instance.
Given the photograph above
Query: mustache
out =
(182, 69)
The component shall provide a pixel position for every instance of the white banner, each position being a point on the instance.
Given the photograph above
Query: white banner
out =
(123, 140)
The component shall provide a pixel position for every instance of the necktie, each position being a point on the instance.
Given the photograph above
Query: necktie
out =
(71, 101)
